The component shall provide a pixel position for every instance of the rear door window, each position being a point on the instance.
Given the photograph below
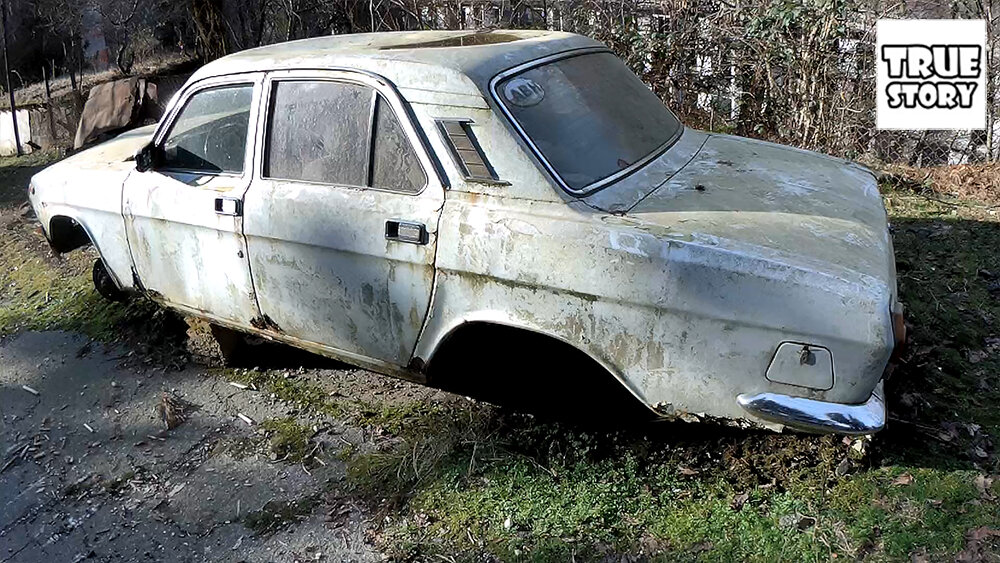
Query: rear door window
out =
(339, 133)
(394, 162)
(319, 132)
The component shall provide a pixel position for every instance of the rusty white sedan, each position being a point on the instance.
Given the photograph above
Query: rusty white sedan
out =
(402, 201)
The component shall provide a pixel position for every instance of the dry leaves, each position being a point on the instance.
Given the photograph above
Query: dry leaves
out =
(902, 480)
(172, 411)
(985, 485)
(977, 544)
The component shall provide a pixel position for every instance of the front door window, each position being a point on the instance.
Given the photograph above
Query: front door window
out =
(210, 134)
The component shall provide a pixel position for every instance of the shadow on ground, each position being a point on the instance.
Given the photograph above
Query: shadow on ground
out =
(563, 457)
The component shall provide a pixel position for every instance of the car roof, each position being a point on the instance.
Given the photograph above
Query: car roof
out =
(445, 61)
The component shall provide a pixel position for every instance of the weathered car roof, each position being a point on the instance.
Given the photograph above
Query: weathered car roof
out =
(413, 59)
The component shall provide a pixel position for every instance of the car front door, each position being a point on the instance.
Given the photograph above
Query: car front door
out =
(184, 216)
(341, 223)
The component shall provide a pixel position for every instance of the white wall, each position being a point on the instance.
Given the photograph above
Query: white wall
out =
(7, 147)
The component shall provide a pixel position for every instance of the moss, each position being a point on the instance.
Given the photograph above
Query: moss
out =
(275, 515)
(293, 390)
(289, 440)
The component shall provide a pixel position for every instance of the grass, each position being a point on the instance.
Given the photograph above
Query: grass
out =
(275, 515)
(42, 291)
(469, 481)
(289, 440)
(531, 491)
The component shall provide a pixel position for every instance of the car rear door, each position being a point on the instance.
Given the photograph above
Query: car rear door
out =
(184, 217)
(341, 222)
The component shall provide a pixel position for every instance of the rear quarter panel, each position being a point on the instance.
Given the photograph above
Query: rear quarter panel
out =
(685, 326)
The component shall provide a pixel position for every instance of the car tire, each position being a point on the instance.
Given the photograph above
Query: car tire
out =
(105, 284)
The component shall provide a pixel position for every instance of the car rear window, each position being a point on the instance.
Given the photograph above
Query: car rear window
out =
(588, 116)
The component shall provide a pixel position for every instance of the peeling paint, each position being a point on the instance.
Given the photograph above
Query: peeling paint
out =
(681, 279)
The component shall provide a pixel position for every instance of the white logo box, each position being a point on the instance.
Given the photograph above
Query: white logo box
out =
(931, 74)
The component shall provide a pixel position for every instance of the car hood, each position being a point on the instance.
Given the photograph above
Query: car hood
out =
(788, 205)
(116, 153)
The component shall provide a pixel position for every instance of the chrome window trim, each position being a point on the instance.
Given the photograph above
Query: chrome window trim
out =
(179, 102)
(593, 186)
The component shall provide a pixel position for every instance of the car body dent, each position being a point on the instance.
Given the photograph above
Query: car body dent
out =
(682, 278)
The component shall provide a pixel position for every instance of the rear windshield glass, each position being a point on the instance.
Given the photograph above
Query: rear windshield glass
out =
(588, 115)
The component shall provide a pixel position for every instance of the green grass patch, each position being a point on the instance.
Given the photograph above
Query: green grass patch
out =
(468, 480)
(289, 440)
(276, 515)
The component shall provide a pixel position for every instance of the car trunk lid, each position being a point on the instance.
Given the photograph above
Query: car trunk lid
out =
(789, 205)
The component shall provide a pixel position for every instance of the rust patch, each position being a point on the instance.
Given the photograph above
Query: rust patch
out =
(264, 322)
(416, 364)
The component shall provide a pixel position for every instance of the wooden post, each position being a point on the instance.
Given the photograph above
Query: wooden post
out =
(45, 77)
(6, 69)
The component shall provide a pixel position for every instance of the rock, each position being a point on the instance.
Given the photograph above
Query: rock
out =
(797, 520)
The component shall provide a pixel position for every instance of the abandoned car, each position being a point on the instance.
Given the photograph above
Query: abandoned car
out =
(373, 197)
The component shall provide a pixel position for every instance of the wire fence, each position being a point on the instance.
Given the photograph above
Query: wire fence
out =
(796, 72)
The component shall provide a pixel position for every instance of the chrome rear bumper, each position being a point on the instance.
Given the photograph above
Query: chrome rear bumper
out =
(811, 415)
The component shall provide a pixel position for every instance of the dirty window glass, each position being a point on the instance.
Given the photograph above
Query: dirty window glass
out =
(394, 163)
(319, 133)
(210, 134)
(589, 116)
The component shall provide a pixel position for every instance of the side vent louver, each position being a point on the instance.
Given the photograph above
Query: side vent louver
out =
(466, 150)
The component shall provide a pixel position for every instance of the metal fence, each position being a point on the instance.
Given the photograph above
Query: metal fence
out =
(799, 72)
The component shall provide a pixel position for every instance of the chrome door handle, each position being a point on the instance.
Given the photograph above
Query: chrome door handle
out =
(229, 206)
(406, 231)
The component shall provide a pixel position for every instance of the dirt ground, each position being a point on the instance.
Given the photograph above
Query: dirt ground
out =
(123, 438)
(90, 472)
(95, 475)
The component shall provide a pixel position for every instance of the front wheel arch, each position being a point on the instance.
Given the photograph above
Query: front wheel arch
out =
(66, 234)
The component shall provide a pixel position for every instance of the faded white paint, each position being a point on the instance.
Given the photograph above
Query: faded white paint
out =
(682, 279)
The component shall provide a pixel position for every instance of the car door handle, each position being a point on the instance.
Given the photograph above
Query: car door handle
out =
(406, 231)
(229, 206)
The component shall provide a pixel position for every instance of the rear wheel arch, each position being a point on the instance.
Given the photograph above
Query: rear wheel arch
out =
(523, 361)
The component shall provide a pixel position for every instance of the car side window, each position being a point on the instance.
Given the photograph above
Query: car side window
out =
(395, 165)
(210, 133)
(319, 132)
